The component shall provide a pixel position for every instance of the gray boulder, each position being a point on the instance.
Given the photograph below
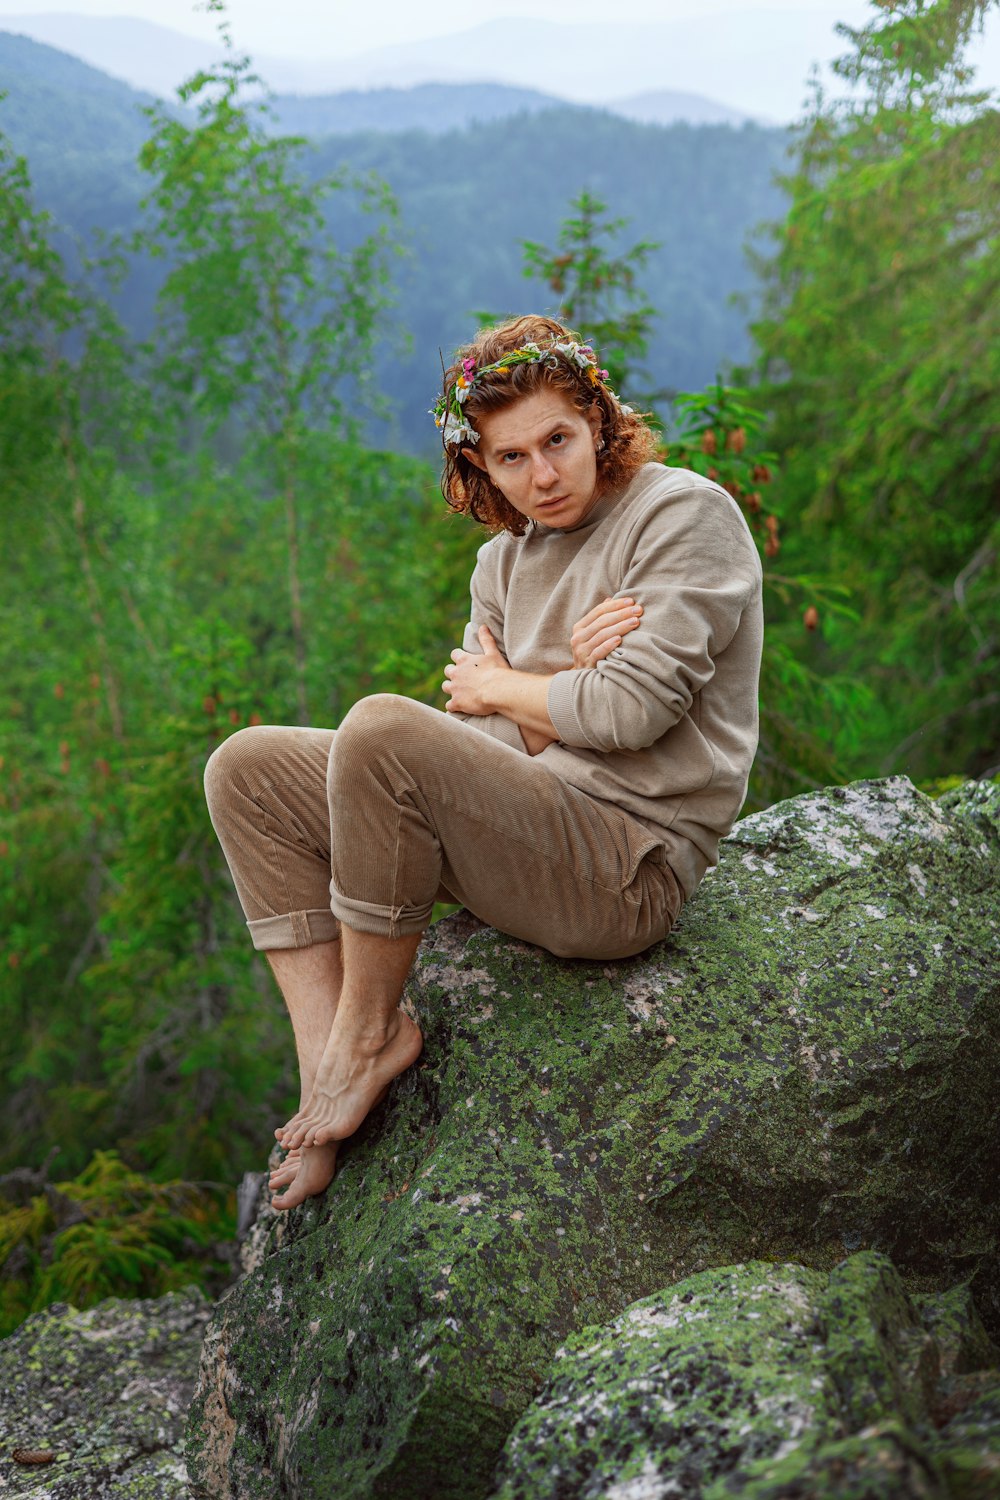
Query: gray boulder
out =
(807, 1066)
(768, 1381)
(93, 1404)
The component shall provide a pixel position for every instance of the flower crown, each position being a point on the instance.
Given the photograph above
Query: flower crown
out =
(449, 411)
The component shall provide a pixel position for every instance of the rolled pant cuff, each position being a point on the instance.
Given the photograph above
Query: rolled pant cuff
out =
(382, 921)
(296, 929)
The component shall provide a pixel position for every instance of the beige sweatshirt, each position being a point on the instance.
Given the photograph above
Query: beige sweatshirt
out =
(665, 728)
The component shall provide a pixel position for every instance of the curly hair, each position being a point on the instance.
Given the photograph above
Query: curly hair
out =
(628, 442)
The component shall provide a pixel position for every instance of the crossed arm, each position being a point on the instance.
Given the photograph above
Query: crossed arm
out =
(487, 684)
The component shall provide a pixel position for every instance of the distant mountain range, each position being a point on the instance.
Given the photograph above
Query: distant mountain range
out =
(80, 130)
(435, 107)
(466, 204)
(752, 64)
(673, 106)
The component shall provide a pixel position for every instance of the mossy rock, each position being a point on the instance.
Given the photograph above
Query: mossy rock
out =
(772, 1383)
(806, 1066)
(105, 1393)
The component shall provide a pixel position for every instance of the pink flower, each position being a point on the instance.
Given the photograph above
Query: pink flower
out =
(469, 366)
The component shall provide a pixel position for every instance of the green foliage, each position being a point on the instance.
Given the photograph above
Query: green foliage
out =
(880, 360)
(261, 315)
(110, 1232)
(721, 433)
(143, 620)
(262, 318)
(75, 537)
(599, 294)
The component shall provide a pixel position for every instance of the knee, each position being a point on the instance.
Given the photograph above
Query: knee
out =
(382, 718)
(228, 771)
(381, 723)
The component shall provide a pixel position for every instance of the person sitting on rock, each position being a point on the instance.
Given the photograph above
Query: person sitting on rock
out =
(600, 725)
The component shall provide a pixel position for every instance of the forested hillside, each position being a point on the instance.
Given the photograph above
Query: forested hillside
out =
(80, 129)
(467, 198)
(434, 107)
(197, 536)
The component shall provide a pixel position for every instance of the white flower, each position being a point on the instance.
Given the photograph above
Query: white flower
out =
(457, 433)
(462, 393)
(575, 353)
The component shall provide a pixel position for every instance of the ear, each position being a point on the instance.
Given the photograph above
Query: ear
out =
(474, 458)
(594, 419)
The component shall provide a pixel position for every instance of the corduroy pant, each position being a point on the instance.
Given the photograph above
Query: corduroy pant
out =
(404, 805)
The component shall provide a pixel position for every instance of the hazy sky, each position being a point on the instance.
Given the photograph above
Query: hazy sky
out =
(291, 27)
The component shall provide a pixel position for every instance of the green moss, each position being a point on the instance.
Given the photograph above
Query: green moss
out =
(887, 1463)
(733, 1357)
(766, 1381)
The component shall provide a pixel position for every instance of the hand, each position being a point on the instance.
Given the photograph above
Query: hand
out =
(599, 632)
(467, 683)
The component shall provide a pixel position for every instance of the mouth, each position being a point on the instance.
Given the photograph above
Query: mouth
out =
(548, 504)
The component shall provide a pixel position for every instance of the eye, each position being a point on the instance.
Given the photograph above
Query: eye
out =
(507, 458)
(559, 438)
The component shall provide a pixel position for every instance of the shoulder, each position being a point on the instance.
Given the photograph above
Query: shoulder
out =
(497, 552)
(677, 504)
(658, 489)
(494, 562)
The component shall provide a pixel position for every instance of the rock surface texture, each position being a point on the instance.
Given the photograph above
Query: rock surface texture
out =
(768, 1380)
(104, 1392)
(806, 1068)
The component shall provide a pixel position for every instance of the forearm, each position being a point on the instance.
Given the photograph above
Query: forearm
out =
(534, 741)
(523, 698)
(483, 685)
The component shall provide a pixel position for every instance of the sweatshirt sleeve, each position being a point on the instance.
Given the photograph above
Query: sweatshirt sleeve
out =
(488, 610)
(693, 566)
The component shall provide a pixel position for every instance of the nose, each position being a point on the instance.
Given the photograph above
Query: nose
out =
(543, 472)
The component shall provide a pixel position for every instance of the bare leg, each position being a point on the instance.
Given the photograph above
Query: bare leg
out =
(310, 980)
(371, 1041)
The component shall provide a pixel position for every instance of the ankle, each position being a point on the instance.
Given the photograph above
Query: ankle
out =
(373, 1036)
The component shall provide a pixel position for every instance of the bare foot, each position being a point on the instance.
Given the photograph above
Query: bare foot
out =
(317, 1167)
(287, 1168)
(316, 1179)
(286, 1171)
(349, 1086)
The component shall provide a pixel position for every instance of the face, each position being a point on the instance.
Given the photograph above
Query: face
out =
(541, 454)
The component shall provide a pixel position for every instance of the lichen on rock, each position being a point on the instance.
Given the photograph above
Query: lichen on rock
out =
(771, 1381)
(106, 1392)
(715, 1373)
(806, 1067)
